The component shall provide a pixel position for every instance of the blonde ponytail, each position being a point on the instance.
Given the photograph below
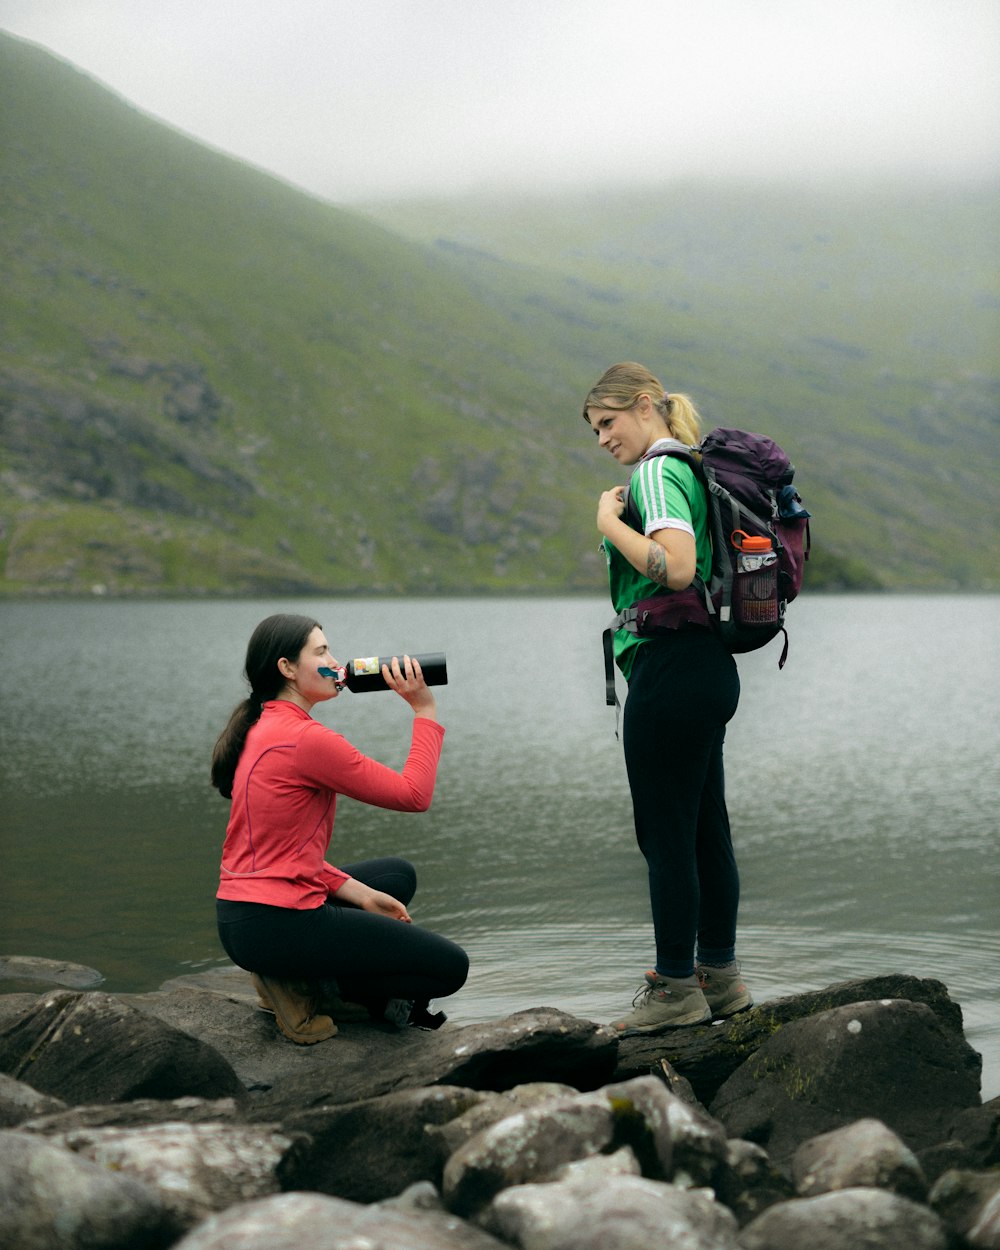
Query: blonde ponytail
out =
(682, 418)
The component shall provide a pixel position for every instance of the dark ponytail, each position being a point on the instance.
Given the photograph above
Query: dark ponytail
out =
(278, 637)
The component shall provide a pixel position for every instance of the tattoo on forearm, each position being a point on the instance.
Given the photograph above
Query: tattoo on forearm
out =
(656, 563)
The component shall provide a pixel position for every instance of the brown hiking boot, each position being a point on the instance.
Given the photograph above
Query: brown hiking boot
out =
(327, 1001)
(294, 1010)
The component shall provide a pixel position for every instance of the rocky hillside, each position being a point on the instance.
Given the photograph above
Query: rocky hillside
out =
(213, 383)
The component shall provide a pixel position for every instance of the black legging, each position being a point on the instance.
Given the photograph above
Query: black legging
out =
(682, 692)
(372, 958)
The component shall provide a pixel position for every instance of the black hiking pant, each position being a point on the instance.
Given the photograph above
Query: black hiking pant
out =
(682, 692)
(372, 958)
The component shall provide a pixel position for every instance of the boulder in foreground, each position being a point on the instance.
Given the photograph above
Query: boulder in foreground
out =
(95, 1048)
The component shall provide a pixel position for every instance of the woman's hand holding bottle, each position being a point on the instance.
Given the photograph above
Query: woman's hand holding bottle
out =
(408, 682)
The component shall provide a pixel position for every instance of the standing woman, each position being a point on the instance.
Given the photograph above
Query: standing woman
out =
(317, 937)
(683, 689)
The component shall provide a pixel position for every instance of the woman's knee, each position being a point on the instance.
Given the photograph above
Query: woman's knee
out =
(458, 967)
(392, 875)
(437, 957)
(396, 865)
(400, 877)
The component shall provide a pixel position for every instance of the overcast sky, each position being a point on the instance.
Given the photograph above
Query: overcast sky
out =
(365, 99)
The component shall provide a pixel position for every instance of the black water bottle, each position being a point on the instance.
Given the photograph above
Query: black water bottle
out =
(366, 673)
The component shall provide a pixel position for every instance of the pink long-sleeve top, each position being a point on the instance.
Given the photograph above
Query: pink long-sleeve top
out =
(285, 797)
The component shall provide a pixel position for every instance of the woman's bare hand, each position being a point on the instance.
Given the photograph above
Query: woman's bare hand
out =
(385, 905)
(610, 508)
(408, 682)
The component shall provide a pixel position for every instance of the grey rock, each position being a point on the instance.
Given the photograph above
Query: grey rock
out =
(706, 1056)
(864, 1153)
(678, 1085)
(514, 1120)
(490, 1108)
(528, 1146)
(31, 968)
(891, 1060)
(295, 1220)
(390, 1147)
(14, 1005)
(972, 1141)
(540, 1044)
(749, 1182)
(621, 1213)
(50, 1199)
(984, 1234)
(19, 1102)
(190, 398)
(137, 1113)
(140, 368)
(224, 979)
(246, 1037)
(366, 1060)
(669, 1139)
(283, 1222)
(978, 1128)
(849, 1219)
(105, 446)
(87, 1048)
(969, 1203)
(589, 1173)
(197, 1169)
(673, 1139)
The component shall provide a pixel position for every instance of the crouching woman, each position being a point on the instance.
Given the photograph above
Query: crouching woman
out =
(322, 942)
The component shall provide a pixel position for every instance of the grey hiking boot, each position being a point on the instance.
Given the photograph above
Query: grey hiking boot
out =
(397, 1012)
(661, 1004)
(724, 990)
(402, 1012)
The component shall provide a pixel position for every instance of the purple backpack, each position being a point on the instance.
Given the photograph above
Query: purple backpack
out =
(760, 542)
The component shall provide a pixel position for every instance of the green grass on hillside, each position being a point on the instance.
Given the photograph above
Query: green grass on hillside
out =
(213, 383)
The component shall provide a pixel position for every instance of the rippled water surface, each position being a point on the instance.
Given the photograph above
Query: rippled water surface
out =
(863, 788)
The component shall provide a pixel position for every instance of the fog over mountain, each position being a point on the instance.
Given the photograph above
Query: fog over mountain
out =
(357, 101)
(212, 381)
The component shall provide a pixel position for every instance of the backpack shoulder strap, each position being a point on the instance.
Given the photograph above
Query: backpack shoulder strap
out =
(665, 447)
(629, 618)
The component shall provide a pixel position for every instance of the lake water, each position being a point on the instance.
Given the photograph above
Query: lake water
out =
(863, 788)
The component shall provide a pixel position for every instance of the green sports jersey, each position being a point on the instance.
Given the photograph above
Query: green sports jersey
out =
(668, 496)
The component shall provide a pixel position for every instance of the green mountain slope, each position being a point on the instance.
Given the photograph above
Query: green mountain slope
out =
(211, 382)
(860, 327)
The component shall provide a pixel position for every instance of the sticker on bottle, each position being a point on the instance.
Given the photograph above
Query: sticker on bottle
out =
(367, 667)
